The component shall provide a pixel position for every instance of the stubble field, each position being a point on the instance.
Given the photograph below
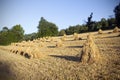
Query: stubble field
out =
(63, 63)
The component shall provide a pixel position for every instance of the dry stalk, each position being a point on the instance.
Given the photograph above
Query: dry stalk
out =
(100, 31)
(90, 52)
(116, 29)
(59, 43)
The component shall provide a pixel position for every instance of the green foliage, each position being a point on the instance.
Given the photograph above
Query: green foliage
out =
(46, 28)
(3, 37)
(62, 32)
(18, 33)
(31, 36)
(71, 30)
(111, 23)
(94, 26)
(117, 14)
(76, 29)
(83, 29)
(90, 23)
(5, 29)
(104, 23)
(11, 35)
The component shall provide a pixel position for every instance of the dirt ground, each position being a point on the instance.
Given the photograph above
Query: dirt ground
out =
(61, 63)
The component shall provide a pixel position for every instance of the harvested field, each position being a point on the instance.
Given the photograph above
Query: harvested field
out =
(62, 63)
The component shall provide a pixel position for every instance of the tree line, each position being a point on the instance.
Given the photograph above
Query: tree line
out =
(103, 24)
(15, 34)
(46, 28)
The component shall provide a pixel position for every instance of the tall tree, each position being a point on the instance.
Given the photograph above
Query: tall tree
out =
(104, 23)
(4, 36)
(111, 23)
(11, 35)
(70, 30)
(31, 36)
(46, 28)
(62, 32)
(117, 14)
(90, 23)
(5, 29)
(17, 32)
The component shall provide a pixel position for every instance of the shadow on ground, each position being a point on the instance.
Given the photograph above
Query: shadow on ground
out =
(5, 72)
(74, 46)
(66, 46)
(69, 58)
(51, 46)
(76, 40)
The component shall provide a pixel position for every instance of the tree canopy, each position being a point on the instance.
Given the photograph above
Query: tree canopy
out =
(90, 23)
(117, 14)
(18, 32)
(46, 28)
(62, 32)
(15, 34)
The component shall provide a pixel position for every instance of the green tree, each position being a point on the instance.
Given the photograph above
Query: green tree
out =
(4, 36)
(83, 28)
(70, 30)
(31, 36)
(117, 14)
(111, 23)
(62, 32)
(7, 36)
(5, 29)
(46, 28)
(76, 29)
(53, 29)
(90, 23)
(104, 23)
(17, 33)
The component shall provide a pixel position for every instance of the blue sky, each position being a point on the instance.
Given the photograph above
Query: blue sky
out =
(61, 12)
